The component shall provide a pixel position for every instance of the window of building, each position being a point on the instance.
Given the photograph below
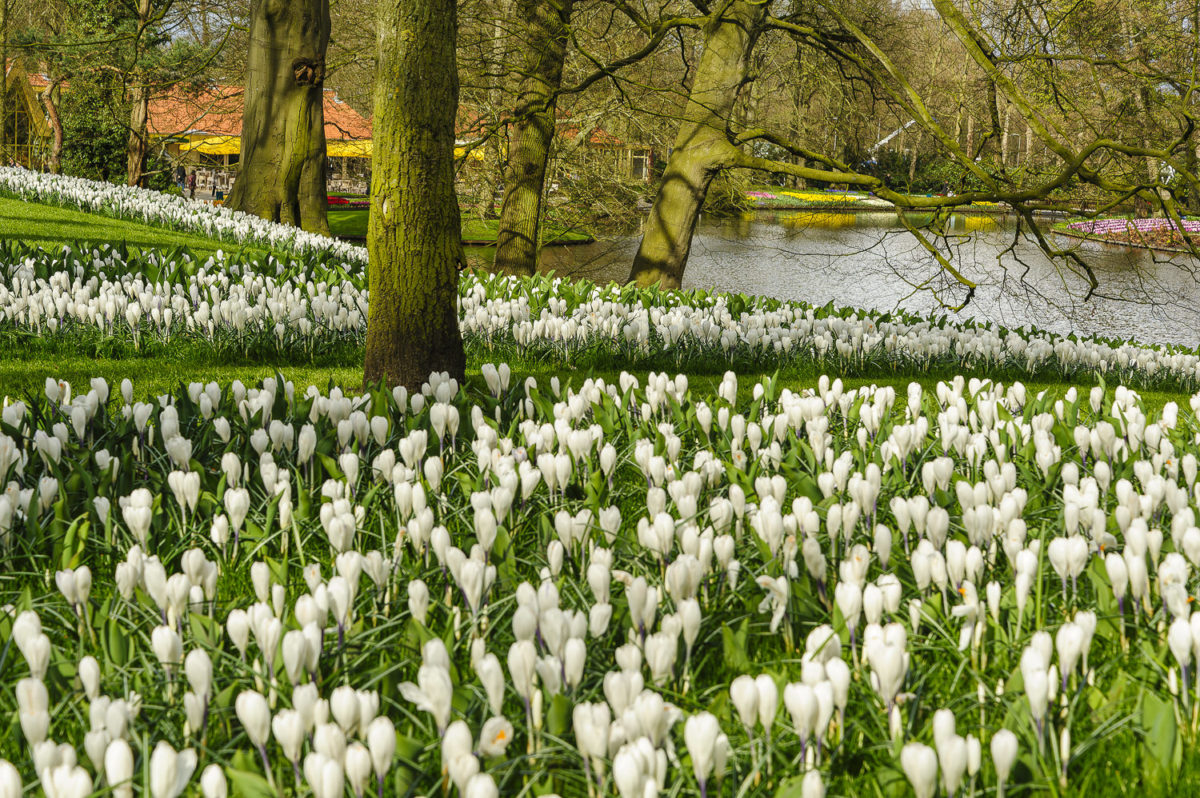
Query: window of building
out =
(640, 165)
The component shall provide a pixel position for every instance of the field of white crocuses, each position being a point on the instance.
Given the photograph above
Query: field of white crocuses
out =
(307, 304)
(272, 310)
(602, 589)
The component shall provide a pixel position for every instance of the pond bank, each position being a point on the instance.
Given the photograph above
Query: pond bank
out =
(351, 225)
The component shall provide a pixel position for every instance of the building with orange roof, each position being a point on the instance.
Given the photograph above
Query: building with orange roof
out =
(199, 127)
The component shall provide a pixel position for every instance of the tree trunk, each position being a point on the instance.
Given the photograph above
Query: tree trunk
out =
(531, 133)
(797, 126)
(702, 148)
(1004, 159)
(414, 234)
(138, 146)
(54, 162)
(4, 82)
(281, 174)
(139, 109)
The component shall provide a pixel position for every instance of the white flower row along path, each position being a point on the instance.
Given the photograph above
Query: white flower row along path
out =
(287, 307)
(611, 589)
(173, 212)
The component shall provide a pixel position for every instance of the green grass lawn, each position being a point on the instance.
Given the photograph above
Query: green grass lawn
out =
(51, 227)
(353, 224)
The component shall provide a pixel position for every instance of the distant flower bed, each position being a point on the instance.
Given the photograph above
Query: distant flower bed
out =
(1110, 226)
(801, 198)
(348, 203)
(1153, 233)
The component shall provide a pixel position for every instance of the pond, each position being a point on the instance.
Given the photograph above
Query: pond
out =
(868, 259)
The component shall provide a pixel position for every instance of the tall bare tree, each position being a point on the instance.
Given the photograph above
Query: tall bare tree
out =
(281, 175)
(414, 235)
(702, 147)
(544, 34)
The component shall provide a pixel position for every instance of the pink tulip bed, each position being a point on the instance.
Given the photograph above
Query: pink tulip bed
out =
(1157, 233)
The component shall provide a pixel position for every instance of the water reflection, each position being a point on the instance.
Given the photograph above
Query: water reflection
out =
(868, 260)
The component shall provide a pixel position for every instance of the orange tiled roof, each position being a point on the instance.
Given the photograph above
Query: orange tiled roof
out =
(37, 80)
(216, 110)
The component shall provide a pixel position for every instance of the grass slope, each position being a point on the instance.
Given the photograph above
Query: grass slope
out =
(51, 227)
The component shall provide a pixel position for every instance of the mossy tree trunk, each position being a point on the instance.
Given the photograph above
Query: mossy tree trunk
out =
(139, 108)
(50, 100)
(414, 233)
(281, 175)
(4, 82)
(139, 146)
(702, 147)
(531, 133)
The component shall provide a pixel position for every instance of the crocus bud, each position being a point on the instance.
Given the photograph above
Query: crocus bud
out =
(418, 600)
(744, 694)
(167, 647)
(212, 782)
(381, 743)
(343, 703)
(812, 786)
(33, 709)
(89, 677)
(255, 716)
(357, 763)
(920, 766)
(10, 780)
(170, 771)
(198, 668)
(118, 768)
(700, 732)
(238, 627)
(66, 781)
(481, 785)
(288, 728)
(37, 655)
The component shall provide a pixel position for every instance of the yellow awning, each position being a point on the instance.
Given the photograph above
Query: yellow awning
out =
(477, 153)
(360, 148)
(355, 148)
(214, 145)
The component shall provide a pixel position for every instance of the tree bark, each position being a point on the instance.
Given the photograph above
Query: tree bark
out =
(54, 162)
(4, 82)
(414, 233)
(281, 174)
(531, 134)
(139, 147)
(1004, 149)
(702, 147)
(139, 110)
